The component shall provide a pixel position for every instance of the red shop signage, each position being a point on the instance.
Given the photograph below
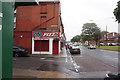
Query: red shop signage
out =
(45, 34)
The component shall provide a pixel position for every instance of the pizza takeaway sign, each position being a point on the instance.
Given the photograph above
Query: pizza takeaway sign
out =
(45, 34)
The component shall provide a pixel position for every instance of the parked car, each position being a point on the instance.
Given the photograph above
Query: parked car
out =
(112, 76)
(20, 51)
(75, 49)
(91, 47)
(101, 44)
(108, 44)
(113, 44)
(118, 44)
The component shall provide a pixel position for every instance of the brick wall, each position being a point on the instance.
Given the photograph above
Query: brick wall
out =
(46, 15)
(24, 41)
(35, 18)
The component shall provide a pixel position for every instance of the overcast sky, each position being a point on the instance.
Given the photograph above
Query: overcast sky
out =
(77, 12)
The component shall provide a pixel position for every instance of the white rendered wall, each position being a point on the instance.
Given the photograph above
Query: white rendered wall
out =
(43, 52)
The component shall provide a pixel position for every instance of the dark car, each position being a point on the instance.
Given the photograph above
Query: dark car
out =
(20, 51)
(112, 76)
(118, 44)
(75, 49)
(113, 44)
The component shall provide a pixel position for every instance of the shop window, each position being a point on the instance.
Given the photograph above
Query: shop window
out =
(41, 45)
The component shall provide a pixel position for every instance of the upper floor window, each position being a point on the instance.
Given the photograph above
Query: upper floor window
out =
(43, 8)
(42, 28)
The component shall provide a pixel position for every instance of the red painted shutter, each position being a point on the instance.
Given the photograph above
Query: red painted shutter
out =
(41, 45)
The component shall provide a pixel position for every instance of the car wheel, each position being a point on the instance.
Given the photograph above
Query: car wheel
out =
(16, 55)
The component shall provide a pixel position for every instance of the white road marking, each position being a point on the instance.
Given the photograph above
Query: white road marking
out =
(109, 51)
(42, 58)
(80, 56)
(54, 61)
(111, 57)
(115, 58)
(74, 63)
(66, 60)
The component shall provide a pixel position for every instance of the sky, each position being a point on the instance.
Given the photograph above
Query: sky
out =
(75, 13)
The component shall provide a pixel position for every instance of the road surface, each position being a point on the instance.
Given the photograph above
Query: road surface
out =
(94, 63)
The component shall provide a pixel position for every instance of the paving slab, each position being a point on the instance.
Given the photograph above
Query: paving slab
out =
(27, 73)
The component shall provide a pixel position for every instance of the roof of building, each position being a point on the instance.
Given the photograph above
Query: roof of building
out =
(25, 3)
(49, 0)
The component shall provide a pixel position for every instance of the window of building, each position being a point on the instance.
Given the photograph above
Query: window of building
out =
(43, 16)
(43, 8)
(42, 28)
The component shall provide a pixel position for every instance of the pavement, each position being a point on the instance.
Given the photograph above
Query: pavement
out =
(61, 54)
(28, 73)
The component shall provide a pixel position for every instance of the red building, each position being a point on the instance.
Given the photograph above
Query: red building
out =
(112, 37)
(39, 28)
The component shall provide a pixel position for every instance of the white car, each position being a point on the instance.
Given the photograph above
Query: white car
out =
(101, 44)
(91, 47)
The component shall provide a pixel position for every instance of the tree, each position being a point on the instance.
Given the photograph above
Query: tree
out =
(97, 35)
(76, 38)
(117, 12)
(104, 33)
(90, 32)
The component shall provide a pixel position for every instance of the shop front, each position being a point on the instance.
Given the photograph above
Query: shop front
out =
(45, 42)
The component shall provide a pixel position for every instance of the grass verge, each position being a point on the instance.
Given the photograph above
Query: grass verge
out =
(113, 48)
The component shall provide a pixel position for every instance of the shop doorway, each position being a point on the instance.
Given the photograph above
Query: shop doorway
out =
(55, 47)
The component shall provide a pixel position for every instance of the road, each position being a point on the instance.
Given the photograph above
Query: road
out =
(96, 62)
(89, 64)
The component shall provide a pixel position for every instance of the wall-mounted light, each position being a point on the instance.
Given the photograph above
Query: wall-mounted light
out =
(21, 36)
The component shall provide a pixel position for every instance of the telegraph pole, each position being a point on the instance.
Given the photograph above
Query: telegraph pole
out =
(106, 35)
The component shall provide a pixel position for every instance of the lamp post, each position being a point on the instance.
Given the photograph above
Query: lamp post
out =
(106, 35)
(106, 30)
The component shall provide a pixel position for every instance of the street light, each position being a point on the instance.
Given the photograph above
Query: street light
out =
(106, 21)
(106, 29)
(106, 35)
